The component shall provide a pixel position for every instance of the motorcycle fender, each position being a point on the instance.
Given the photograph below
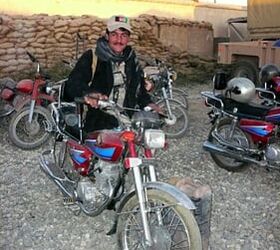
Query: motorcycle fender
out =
(21, 102)
(184, 200)
(165, 187)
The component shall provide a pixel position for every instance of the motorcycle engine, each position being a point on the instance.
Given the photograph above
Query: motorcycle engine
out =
(272, 153)
(94, 192)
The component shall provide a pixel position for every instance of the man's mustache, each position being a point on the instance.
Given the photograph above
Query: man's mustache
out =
(117, 43)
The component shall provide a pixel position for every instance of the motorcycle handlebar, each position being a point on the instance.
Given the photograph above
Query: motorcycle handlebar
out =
(101, 103)
(32, 58)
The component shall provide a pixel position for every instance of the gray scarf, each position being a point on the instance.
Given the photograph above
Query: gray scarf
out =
(105, 53)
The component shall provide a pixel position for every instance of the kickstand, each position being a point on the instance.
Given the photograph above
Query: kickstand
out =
(113, 230)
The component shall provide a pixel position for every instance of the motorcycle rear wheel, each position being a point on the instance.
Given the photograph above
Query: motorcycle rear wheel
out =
(178, 230)
(27, 135)
(240, 138)
(177, 126)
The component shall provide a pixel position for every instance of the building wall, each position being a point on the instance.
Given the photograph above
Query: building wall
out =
(216, 14)
(165, 28)
(53, 38)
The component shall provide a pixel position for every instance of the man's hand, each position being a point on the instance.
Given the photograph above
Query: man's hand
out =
(148, 85)
(92, 99)
(155, 107)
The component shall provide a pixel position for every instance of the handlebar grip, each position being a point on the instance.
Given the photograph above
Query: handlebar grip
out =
(32, 58)
(79, 36)
(65, 61)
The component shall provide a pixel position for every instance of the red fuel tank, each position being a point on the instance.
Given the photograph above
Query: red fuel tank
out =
(106, 145)
(25, 86)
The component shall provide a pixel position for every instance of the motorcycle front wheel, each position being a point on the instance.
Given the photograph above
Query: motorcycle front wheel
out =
(238, 139)
(175, 125)
(172, 226)
(180, 96)
(26, 135)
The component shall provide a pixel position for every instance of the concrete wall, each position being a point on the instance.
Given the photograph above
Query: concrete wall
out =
(218, 15)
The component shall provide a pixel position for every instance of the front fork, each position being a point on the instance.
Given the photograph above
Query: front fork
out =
(32, 107)
(136, 163)
(166, 100)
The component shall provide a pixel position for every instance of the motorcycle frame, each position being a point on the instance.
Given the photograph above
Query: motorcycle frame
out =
(133, 162)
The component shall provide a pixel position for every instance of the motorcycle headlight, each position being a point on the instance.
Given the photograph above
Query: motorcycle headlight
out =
(48, 89)
(154, 138)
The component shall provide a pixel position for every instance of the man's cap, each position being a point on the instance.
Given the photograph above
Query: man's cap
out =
(116, 22)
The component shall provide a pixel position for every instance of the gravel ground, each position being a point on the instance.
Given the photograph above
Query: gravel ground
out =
(245, 208)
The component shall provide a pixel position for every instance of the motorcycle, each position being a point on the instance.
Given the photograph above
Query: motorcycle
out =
(30, 125)
(242, 132)
(269, 78)
(93, 170)
(173, 101)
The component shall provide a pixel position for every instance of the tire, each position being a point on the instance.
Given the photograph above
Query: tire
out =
(186, 229)
(240, 138)
(177, 126)
(27, 136)
(246, 69)
(180, 96)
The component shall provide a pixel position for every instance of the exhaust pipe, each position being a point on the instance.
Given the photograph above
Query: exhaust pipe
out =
(237, 155)
(57, 175)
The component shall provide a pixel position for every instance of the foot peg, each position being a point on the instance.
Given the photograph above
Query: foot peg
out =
(70, 203)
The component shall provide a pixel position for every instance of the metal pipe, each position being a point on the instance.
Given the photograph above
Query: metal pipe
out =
(141, 197)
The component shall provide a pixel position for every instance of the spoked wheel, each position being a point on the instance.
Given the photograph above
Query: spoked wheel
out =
(176, 123)
(172, 226)
(239, 138)
(28, 135)
(180, 96)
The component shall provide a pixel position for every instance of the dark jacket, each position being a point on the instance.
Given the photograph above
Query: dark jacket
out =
(80, 77)
(78, 85)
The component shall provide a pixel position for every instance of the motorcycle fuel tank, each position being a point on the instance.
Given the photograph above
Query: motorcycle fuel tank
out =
(81, 156)
(106, 145)
(25, 86)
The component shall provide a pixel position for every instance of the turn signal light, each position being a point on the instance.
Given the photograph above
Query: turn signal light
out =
(128, 136)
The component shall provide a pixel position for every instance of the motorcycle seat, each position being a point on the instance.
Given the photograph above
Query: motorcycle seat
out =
(242, 110)
(245, 110)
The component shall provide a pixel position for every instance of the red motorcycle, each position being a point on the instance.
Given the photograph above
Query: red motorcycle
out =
(94, 172)
(30, 125)
(243, 132)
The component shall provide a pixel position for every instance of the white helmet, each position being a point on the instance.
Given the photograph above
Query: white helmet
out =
(241, 89)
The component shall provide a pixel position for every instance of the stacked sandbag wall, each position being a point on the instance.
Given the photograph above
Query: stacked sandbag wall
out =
(53, 38)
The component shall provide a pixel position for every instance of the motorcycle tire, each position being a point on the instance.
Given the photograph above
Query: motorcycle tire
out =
(180, 96)
(27, 135)
(177, 126)
(184, 234)
(240, 138)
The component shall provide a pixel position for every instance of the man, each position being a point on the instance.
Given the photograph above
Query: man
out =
(113, 72)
